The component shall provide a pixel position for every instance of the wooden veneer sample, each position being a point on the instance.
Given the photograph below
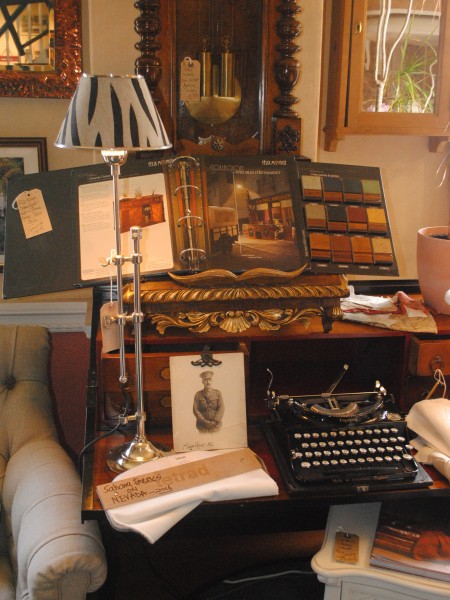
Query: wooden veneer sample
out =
(361, 249)
(332, 189)
(353, 191)
(336, 218)
(382, 250)
(312, 187)
(315, 216)
(320, 246)
(357, 218)
(341, 249)
(377, 220)
(371, 191)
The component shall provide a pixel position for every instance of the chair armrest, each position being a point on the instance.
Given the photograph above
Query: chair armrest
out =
(53, 554)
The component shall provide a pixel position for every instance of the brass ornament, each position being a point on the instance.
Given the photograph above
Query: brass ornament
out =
(235, 321)
(215, 109)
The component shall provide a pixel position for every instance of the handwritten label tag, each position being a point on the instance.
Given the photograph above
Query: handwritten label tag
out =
(346, 547)
(174, 479)
(33, 213)
(109, 328)
(190, 80)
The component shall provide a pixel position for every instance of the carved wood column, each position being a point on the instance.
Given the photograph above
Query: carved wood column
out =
(287, 123)
(148, 26)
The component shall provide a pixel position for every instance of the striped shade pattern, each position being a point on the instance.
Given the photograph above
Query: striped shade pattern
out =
(110, 112)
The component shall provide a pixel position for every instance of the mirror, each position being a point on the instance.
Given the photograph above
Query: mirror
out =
(40, 48)
(27, 33)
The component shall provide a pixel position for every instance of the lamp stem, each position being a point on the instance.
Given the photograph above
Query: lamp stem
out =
(138, 317)
(121, 317)
(139, 450)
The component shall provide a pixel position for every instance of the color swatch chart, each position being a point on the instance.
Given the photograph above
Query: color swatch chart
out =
(346, 226)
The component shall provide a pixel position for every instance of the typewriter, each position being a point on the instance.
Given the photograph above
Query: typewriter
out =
(347, 442)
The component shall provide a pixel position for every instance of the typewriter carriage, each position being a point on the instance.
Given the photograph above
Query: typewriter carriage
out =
(330, 407)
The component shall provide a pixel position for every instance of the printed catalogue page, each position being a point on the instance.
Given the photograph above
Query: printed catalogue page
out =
(143, 203)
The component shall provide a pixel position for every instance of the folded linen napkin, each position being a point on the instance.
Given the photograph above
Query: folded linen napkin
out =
(154, 517)
(430, 419)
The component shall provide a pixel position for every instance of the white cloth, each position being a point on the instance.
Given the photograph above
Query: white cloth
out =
(400, 313)
(154, 517)
(430, 419)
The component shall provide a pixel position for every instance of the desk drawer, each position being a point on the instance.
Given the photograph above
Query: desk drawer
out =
(428, 354)
(156, 383)
(155, 366)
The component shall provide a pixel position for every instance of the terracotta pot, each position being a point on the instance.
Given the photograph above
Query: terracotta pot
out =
(433, 267)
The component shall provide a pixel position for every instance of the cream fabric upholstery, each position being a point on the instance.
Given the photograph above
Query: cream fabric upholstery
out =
(46, 553)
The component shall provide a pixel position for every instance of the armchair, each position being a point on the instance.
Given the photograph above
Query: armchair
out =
(46, 552)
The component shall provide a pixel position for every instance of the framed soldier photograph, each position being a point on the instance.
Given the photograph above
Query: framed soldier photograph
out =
(208, 402)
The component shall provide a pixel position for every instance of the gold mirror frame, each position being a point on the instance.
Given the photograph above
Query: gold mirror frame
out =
(61, 81)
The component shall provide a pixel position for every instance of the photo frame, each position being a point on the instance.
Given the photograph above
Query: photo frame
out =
(18, 156)
(208, 402)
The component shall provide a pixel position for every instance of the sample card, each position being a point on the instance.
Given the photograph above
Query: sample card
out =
(343, 219)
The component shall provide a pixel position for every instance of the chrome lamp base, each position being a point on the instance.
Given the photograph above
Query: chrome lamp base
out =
(134, 453)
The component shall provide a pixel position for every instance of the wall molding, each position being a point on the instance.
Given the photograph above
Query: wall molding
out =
(55, 316)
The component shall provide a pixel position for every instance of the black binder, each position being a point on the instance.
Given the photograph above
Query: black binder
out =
(50, 262)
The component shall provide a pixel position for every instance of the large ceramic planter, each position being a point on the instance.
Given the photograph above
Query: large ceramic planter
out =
(433, 267)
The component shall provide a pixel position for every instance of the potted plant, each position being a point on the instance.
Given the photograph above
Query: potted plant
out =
(433, 258)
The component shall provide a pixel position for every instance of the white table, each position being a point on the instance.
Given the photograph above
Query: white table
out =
(360, 581)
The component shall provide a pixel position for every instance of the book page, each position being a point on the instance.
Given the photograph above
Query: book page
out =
(143, 203)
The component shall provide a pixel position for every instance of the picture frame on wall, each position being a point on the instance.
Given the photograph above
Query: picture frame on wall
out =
(208, 402)
(18, 156)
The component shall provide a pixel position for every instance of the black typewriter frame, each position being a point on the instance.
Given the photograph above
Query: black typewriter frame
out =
(331, 413)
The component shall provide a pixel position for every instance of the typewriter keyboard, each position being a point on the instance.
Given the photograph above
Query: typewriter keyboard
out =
(360, 453)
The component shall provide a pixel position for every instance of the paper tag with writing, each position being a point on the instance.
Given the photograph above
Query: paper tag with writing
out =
(33, 213)
(173, 479)
(190, 80)
(346, 547)
(109, 327)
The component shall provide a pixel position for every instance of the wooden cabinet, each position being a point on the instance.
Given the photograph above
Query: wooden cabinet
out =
(303, 361)
(256, 40)
(415, 99)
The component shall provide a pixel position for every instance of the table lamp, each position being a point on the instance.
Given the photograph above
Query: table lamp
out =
(116, 114)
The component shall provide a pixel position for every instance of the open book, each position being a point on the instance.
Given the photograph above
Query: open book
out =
(232, 213)
(414, 542)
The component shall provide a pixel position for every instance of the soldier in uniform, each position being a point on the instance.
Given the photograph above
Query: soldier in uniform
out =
(208, 405)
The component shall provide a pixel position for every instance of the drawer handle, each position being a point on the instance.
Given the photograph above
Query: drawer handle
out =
(165, 374)
(437, 363)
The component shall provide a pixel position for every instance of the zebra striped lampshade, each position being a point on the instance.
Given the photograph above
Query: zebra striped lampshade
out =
(110, 112)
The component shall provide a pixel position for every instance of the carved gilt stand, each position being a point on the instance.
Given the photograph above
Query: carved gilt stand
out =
(260, 298)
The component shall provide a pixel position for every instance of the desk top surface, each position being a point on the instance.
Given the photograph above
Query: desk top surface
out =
(274, 513)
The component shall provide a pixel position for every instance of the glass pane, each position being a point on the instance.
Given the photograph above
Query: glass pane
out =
(27, 36)
(401, 55)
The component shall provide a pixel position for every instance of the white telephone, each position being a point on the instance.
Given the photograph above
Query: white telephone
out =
(430, 420)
